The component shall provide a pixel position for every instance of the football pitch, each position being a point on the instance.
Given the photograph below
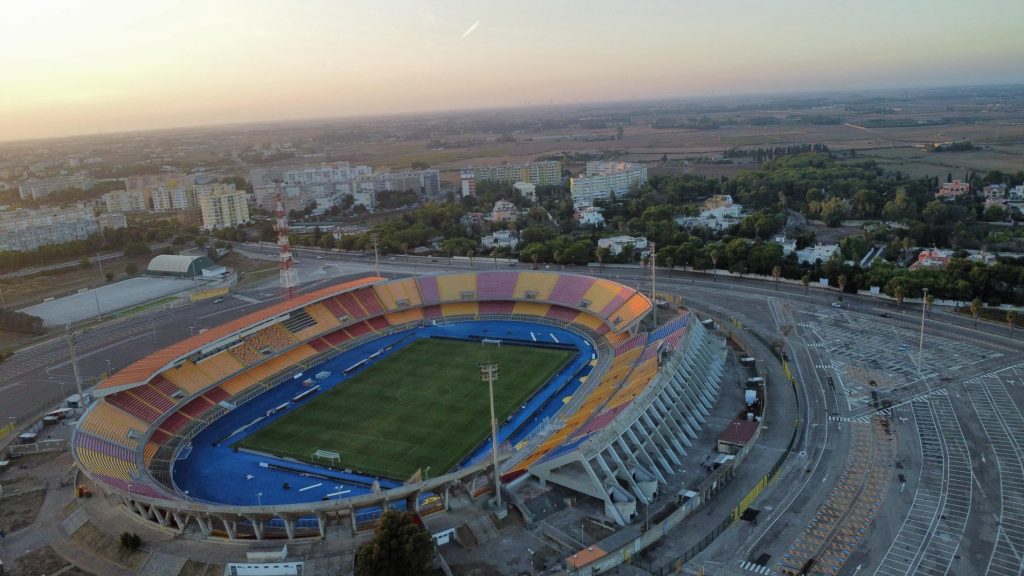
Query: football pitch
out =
(424, 405)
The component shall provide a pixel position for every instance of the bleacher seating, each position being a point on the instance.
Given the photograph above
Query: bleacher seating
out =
(247, 353)
(459, 309)
(530, 308)
(391, 293)
(538, 284)
(297, 321)
(601, 293)
(220, 365)
(273, 337)
(496, 285)
(634, 308)
(110, 423)
(570, 288)
(561, 314)
(429, 291)
(238, 384)
(338, 337)
(188, 377)
(451, 287)
(133, 405)
(496, 307)
(368, 299)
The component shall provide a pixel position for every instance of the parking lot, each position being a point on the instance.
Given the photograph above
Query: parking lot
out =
(876, 355)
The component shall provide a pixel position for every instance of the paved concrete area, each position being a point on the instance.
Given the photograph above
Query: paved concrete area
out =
(107, 299)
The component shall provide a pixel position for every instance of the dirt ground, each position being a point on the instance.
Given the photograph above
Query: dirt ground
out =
(20, 510)
(102, 544)
(42, 561)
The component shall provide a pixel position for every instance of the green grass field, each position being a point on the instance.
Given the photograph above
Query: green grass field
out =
(423, 406)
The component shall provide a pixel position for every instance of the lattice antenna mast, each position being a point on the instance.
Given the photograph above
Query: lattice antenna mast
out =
(289, 279)
(654, 279)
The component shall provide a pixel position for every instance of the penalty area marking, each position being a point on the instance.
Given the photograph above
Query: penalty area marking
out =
(311, 487)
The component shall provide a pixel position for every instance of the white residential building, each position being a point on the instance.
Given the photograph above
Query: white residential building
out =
(504, 211)
(167, 199)
(501, 238)
(39, 188)
(467, 179)
(543, 173)
(126, 200)
(590, 216)
(602, 179)
(222, 206)
(719, 218)
(616, 244)
(25, 229)
(812, 254)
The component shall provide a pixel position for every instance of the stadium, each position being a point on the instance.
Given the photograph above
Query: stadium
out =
(319, 411)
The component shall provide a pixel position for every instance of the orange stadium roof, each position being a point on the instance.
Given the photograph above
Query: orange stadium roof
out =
(141, 371)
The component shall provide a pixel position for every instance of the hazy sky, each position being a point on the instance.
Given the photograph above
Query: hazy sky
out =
(74, 67)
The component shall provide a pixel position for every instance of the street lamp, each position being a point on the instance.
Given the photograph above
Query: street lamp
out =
(532, 573)
(488, 373)
(259, 498)
(920, 347)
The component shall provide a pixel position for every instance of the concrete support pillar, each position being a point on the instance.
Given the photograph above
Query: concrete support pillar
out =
(161, 516)
(447, 495)
(352, 517)
(289, 526)
(205, 525)
(181, 520)
(257, 526)
(321, 522)
(231, 527)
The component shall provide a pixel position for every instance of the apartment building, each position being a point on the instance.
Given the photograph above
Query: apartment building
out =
(602, 179)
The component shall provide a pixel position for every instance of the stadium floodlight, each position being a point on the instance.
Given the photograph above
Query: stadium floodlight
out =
(489, 373)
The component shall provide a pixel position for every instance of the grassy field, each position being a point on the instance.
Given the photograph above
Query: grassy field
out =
(423, 406)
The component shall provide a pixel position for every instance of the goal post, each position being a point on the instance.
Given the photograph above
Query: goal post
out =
(486, 341)
(331, 458)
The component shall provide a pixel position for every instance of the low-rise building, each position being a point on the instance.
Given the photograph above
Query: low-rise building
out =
(616, 244)
(934, 258)
(504, 211)
(500, 239)
(812, 254)
(953, 190)
(590, 216)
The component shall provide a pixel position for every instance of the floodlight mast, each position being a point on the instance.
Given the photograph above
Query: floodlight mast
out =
(489, 373)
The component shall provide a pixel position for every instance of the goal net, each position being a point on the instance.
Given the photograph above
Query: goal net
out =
(326, 456)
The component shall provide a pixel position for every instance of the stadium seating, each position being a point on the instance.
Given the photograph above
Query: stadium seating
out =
(460, 309)
(391, 293)
(325, 320)
(110, 423)
(148, 451)
(531, 308)
(429, 290)
(602, 293)
(238, 384)
(452, 287)
(635, 307)
(496, 285)
(588, 320)
(274, 337)
(188, 377)
(369, 301)
(569, 289)
(561, 313)
(246, 353)
(133, 405)
(496, 307)
(220, 365)
(534, 285)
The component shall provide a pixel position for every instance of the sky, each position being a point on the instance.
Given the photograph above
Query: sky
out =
(71, 67)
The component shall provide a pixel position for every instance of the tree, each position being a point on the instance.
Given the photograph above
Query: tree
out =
(1011, 319)
(131, 269)
(84, 263)
(842, 285)
(399, 548)
(130, 541)
(929, 300)
(776, 274)
(898, 294)
(601, 253)
(975, 310)
(109, 276)
(714, 262)
(806, 281)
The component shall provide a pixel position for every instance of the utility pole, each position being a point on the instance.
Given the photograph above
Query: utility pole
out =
(920, 347)
(654, 274)
(488, 373)
(72, 345)
(375, 238)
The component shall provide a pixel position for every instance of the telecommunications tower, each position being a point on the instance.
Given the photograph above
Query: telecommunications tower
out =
(289, 279)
